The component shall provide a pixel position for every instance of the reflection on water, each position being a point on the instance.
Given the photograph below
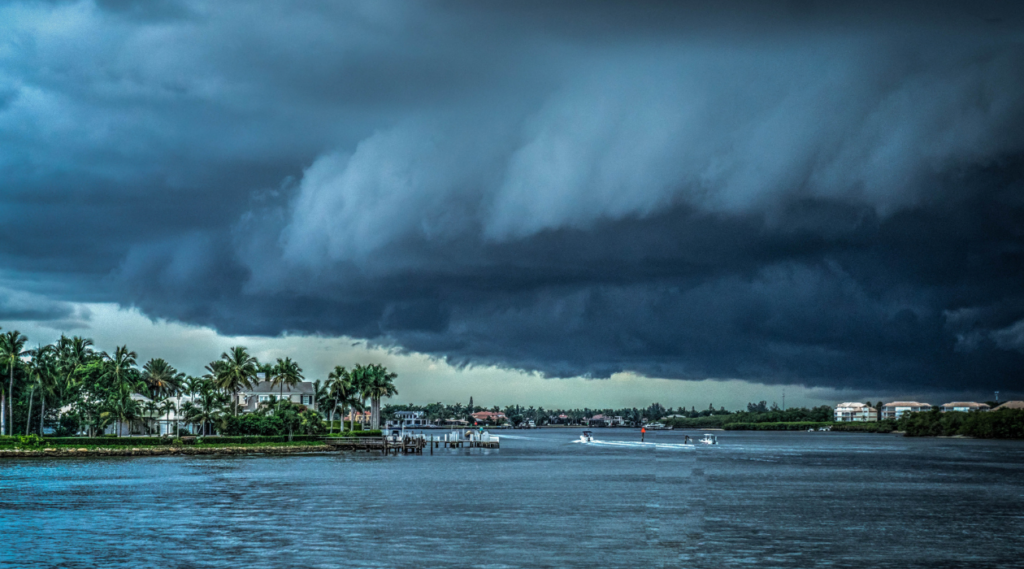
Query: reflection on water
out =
(757, 499)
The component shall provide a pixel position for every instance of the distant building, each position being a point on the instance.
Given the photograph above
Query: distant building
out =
(964, 406)
(896, 409)
(488, 417)
(408, 420)
(855, 412)
(260, 393)
(605, 421)
(1011, 405)
(561, 419)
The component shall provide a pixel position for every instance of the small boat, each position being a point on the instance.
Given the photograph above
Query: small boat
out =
(587, 437)
(708, 440)
(657, 427)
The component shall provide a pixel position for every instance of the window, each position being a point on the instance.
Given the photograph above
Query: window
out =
(307, 400)
(264, 398)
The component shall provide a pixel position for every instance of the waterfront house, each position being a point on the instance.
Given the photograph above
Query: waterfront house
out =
(408, 420)
(896, 409)
(855, 412)
(1011, 405)
(964, 406)
(489, 417)
(605, 421)
(260, 393)
(361, 417)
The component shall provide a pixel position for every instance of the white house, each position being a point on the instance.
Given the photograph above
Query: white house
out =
(855, 412)
(896, 409)
(964, 406)
(301, 394)
(408, 420)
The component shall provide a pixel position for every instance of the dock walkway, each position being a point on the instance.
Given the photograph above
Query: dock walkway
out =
(412, 444)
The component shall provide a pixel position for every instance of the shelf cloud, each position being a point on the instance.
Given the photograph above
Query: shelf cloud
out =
(799, 193)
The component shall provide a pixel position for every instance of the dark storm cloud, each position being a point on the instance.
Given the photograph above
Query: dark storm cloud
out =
(785, 192)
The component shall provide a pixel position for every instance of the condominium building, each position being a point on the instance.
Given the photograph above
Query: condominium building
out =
(964, 406)
(896, 409)
(855, 412)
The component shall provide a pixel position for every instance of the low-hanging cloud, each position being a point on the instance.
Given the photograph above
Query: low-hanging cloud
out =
(814, 194)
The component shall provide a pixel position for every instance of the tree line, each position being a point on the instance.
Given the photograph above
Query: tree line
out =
(71, 387)
(436, 413)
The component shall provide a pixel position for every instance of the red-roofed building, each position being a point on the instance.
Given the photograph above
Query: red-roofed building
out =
(489, 417)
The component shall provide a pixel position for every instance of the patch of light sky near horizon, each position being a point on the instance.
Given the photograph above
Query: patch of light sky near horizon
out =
(421, 378)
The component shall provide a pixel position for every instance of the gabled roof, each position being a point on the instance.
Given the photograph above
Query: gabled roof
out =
(968, 404)
(854, 404)
(906, 404)
(1011, 405)
(268, 388)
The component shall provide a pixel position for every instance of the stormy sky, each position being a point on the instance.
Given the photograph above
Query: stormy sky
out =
(779, 193)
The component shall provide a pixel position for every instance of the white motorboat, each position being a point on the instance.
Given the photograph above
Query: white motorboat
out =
(587, 437)
(708, 440)
(657, 427)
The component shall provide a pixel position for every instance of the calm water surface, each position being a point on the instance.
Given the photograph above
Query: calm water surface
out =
(756, 500)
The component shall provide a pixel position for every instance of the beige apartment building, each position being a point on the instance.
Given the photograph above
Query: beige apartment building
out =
(896, 409)
(855, 412)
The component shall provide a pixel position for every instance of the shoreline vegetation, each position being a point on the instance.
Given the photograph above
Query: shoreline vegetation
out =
(68, 388)
(33, 445)
(202, 449)
(1001, 424)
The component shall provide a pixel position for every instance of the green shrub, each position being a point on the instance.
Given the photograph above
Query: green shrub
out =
(253, 425)
(886, 426)
(372, 433)
(794, 426)
(30, 440)
(1002, 424)
(105, 441)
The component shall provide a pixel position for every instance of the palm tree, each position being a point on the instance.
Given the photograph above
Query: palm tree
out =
(289, 415)
(206, 408)
(340, 392)
(381, 385)
(161, 377)
(72, 353)
(237, 370)
(286, 372)
(41, 375)
(166, 407)
(360, 378)
(12, 349)
(120, 373)
(153, 409)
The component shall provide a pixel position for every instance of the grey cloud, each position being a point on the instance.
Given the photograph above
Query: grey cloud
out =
(795, 192)
(20, 305)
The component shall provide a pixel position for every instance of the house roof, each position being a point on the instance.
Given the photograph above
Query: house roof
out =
(968, 404)
(488, 415)
(906, 404)
(854, 404)
(268, 388)
(1011, 405)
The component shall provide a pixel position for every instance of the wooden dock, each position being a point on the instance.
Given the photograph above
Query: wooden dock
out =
(381, 444)
(410, 444)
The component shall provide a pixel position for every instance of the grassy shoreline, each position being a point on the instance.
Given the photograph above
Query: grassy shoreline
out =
(167, 450)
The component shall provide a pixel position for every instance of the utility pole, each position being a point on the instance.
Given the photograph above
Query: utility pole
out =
(997, 397)
(783, 398)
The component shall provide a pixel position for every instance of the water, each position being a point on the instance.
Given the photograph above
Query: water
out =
(542, 500)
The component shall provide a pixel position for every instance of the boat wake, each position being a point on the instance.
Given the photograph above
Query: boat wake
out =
(635, 444)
